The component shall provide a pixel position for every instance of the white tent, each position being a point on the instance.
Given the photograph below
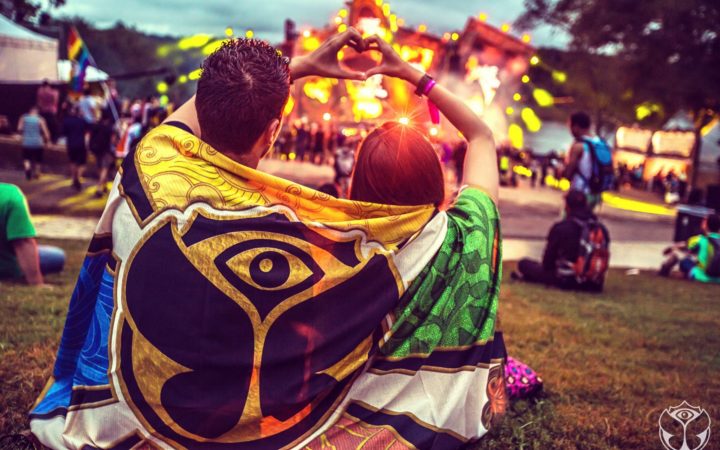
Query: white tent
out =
(92, 74)
(26, 56)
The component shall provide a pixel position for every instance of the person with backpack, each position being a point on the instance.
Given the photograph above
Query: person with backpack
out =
(577, 254)
(699, 257)
(589, 165)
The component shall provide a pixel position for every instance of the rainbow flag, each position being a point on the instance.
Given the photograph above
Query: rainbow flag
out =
(220, 307)
(80, 56)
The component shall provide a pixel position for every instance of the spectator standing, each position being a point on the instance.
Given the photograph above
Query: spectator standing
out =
(73, 129)
(47, 102)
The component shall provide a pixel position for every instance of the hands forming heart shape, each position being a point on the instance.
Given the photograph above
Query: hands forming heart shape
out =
(324, 61)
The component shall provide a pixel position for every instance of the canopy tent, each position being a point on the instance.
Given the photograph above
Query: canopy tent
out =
(26, 56)
(92, 74)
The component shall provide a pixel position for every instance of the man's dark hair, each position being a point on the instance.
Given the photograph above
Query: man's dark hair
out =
(244, 86)
(713, 223)
(580, 119)
(576, 201)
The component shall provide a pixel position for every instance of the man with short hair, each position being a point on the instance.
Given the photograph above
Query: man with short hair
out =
(579, 160)
(563, 245)
(698, 257)
(20, 256)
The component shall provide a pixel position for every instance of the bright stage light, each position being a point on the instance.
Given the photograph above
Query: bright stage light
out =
(455, 36)
(422, 28)
(559, 77)
(525, 79)
(526, 38)
(162, 87)
(343, 13)
(509, 110)
(195, 41)
(306, 33)
(482, 17)
(433, 131)
(517, 97)
(534, 61)
(543, 97)
(505, 27)
(327, 117)
(342, 28)
(228, 32)
(404, 121)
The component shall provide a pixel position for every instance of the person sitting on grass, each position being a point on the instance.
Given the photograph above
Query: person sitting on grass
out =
(699, 257)
(564, 261)
(397, 164)
(20, 256)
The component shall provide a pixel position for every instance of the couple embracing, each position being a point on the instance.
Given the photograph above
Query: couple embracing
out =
(220, 307)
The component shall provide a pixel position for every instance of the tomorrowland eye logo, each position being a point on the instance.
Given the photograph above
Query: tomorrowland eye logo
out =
(684, 427)
(239, 330)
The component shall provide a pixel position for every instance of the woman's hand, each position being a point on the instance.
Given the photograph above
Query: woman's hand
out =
(392, 64)
(324, 62)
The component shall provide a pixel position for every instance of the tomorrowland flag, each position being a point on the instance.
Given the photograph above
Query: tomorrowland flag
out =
(220, 307)
(79, 54)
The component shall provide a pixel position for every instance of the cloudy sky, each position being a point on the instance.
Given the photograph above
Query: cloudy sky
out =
(266, 17)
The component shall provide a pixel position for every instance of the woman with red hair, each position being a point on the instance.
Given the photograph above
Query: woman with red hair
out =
(396, 164)
(449, 312)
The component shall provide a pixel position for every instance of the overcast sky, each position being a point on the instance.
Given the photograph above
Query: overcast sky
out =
(266, 17)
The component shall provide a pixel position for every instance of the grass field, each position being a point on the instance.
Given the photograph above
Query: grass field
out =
(611, 363)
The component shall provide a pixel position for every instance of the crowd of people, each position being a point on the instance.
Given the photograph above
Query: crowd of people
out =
(94, 123)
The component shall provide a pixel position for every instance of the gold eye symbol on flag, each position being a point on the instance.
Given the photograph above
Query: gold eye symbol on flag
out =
(233, 325)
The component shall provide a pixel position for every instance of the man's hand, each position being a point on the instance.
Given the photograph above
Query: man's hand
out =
(392, 64)
(324, 62)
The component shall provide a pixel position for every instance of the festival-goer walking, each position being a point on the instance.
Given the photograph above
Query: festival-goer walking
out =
(101, 146)
(74, 129)
(35, 136)
(587, 160)
(47, 103)
(88, 107)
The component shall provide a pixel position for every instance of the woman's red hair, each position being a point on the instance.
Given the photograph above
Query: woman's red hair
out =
(397, 165)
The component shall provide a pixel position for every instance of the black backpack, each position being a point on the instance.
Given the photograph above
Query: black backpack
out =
(713, 267)
(589, 269)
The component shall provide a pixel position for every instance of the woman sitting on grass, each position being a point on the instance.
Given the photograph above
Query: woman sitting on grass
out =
(396, 164)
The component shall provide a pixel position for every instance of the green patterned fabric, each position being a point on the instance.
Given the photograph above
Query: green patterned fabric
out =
(454, 300)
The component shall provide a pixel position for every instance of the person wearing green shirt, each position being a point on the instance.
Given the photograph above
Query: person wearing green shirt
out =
(701, 250)
(20, 256)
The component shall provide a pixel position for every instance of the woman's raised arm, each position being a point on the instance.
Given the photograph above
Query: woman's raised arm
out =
(480, 167)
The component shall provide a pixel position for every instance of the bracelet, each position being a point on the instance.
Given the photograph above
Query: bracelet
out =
(422, 85)
(428, 87)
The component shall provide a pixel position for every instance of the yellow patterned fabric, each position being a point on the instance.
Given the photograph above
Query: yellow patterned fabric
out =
(177, 169)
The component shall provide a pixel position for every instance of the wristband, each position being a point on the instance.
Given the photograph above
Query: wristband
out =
(422, 85)
(428, 87)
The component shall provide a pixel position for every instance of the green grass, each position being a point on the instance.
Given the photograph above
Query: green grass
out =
(611, 363)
